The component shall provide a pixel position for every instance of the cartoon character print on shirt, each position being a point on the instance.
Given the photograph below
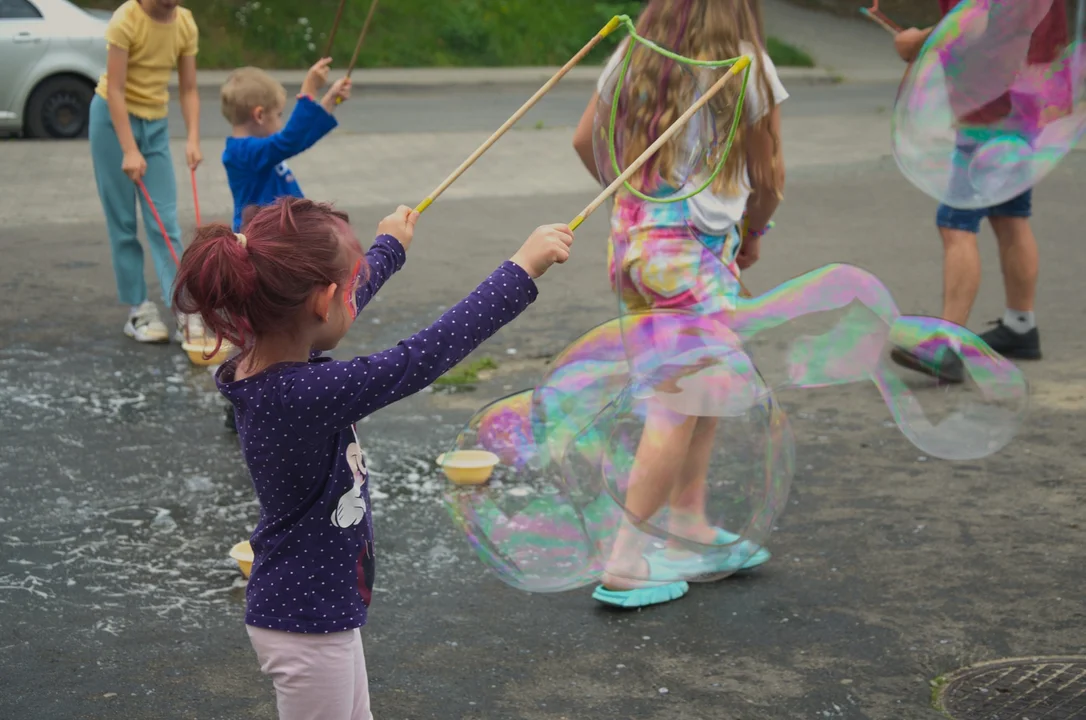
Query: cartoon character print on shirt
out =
(284, 171)
(351, 511)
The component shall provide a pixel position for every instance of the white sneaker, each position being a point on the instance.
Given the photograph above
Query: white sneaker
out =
(195, 326)
(145, 326)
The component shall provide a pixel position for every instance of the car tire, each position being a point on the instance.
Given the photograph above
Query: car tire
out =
(59, 108)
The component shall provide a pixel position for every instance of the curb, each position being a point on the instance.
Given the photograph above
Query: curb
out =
(446, 77)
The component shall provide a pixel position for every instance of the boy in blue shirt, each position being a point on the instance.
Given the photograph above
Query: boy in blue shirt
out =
(255, 156)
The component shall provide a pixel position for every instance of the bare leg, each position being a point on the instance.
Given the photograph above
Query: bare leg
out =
(687, 504)
(664, 446)
(1018, 259)
(961, 274)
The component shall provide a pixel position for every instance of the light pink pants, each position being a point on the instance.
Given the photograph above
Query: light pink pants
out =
(316, 677)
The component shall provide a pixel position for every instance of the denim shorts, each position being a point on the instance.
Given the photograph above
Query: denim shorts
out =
(969, 220)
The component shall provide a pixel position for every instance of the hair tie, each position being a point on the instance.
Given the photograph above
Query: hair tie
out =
(242, 239)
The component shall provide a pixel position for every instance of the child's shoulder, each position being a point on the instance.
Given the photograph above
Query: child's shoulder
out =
(130, 15)
(185, 20)
(127, 13)
(759, 56)
(238, 152)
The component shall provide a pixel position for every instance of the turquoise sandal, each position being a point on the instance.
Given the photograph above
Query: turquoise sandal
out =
(691, 565)
(641, 597)
(759, 556)
(654, 593)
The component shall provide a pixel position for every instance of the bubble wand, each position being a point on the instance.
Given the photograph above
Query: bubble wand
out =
(196, 199)
(335, 27)
(874, 14)
(362, 37)
(162, 227)
(739, 66)
(606, 30)
(158, 219)
(358, 45)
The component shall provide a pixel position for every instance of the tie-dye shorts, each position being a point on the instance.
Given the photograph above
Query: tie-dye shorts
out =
(659, 260)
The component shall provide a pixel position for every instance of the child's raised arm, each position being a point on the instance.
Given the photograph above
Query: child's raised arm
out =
(909, 41)
(308, 123)
(388, 252)
(324, 398)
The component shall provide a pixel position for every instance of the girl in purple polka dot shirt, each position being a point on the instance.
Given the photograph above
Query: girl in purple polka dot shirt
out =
(286, 288)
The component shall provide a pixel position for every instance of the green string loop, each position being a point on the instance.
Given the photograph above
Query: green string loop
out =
(632, 30)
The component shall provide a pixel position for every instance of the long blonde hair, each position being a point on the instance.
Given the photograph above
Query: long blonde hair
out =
(655, 94)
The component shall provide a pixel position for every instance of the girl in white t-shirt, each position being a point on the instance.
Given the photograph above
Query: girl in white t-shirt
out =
(686, 254)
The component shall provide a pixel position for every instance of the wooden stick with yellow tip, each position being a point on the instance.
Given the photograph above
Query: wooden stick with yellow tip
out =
(606, 30)
(740, 65)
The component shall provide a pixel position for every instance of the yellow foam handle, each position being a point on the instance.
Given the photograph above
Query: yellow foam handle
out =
(576, 223)
(740, 64)
(611, 26)
(424, 204)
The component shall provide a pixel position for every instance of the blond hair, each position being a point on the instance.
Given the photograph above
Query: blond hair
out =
(245, 90)
(651, 101)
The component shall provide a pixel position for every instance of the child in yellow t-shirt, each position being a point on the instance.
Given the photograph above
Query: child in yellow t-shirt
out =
(130, 142)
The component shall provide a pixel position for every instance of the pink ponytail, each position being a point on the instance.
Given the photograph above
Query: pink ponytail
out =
(246, 290)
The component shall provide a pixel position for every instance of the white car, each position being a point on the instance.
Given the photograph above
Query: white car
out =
(51, 56)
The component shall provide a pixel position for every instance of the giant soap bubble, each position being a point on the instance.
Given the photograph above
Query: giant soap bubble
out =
(655, 449)
(674, 394)
(678, 300)
(993, 102)
(562, 507)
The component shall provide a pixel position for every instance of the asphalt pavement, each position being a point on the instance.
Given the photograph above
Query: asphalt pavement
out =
(121, 493)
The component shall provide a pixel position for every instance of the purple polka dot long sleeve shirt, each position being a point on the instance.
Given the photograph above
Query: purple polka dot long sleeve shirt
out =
(313, 567)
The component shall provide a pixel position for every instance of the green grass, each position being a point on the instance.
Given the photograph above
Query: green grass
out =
(785, 55)
(466, 373)
(281, 34)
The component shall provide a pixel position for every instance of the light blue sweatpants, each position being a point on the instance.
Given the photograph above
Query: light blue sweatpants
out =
(118, 195)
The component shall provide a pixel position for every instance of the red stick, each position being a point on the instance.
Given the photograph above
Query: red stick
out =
(196, 198)
(873, 13)
(161, 226)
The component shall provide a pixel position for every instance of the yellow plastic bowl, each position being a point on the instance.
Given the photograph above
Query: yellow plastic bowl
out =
(198, 348)
(243, 553)
(468, 467)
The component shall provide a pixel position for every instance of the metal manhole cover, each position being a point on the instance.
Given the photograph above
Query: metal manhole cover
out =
(1037, 688)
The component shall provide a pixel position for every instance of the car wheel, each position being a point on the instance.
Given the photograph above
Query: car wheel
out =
(59, 108)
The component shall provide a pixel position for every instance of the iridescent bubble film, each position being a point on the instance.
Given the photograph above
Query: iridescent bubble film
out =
(655, 449)
(561, 509)
(994, 101)
(966, 421)
(574, 499)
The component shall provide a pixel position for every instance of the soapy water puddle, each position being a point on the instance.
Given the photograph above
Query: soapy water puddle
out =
(122, 495)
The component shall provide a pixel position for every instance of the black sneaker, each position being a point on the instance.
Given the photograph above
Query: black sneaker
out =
(230, 423)
(947, 368)
(1013, 345)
